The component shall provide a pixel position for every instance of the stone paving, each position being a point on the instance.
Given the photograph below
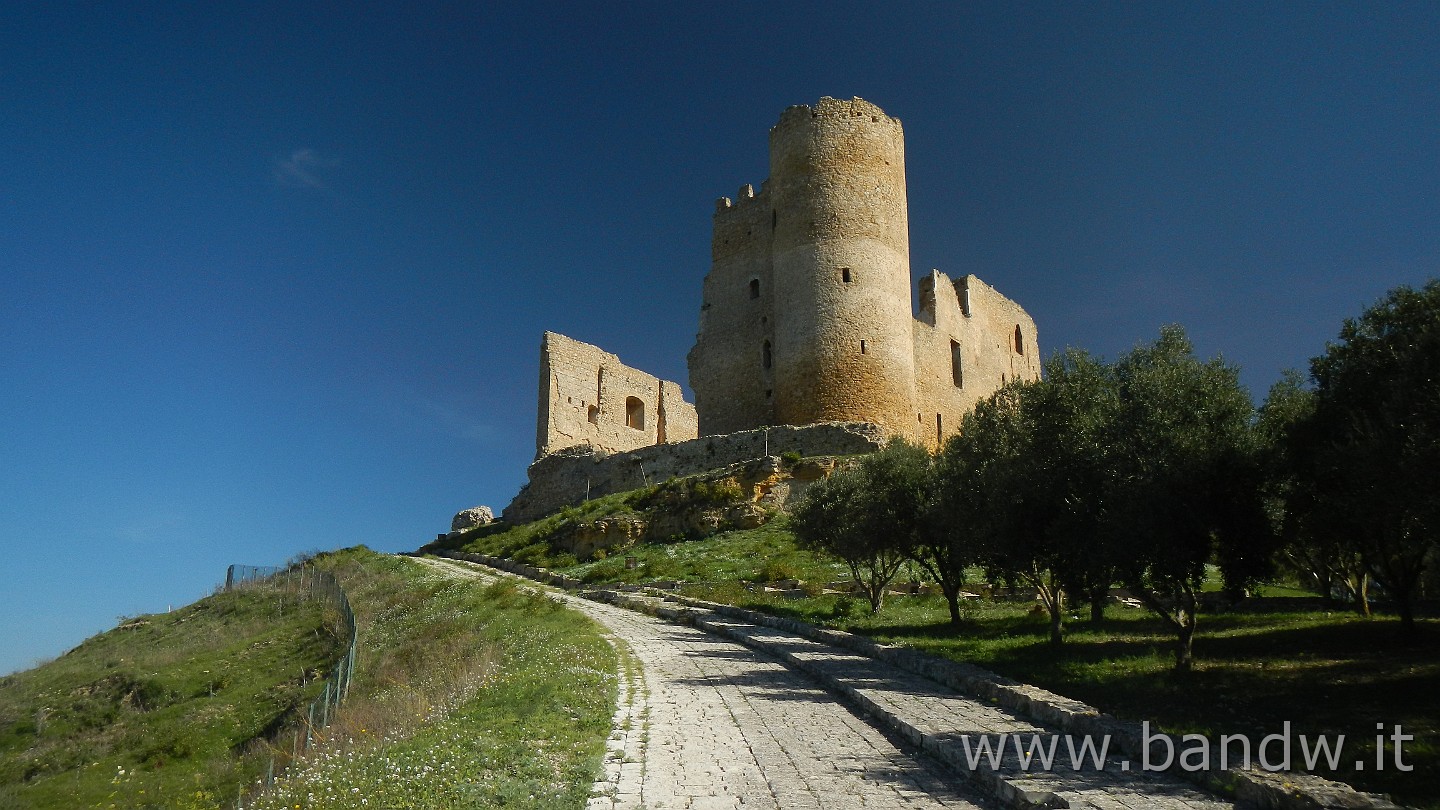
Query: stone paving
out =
(711, 716)
(706, 723)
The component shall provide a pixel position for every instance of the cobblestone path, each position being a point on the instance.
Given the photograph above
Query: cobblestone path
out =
(715, 720)
(705, 722)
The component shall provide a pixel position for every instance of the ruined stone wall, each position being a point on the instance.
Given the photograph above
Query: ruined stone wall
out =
(829, 233)
(842, 266)
(570, 477)
(733, 382)
(806, 312)
(965, 349)
(588, 397)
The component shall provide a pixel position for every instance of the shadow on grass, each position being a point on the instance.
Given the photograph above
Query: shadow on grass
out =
(1322, 673)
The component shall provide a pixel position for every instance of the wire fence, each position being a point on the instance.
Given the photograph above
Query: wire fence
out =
(303, 583)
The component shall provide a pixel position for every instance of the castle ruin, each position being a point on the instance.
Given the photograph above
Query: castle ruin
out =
(805, 315)
(588, 397)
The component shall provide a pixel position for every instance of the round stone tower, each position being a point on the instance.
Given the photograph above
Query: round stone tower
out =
(843, 334)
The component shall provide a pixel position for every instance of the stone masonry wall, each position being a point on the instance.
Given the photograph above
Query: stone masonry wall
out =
(965, 351)
(806, 309)
(570, 477)
(588, 397)
(806, 315)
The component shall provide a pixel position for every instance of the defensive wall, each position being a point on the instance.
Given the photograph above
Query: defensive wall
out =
(588, 397)
(578, 474)
(805, 313)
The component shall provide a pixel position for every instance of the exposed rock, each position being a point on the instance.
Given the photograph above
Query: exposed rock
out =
(470, 518)
(576, 474)
(611, 533)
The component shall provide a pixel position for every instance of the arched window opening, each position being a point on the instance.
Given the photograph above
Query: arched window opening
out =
(957, 373)
(765, 358)
(634, 413)
(754, 288)
(1019, 341)
(593, 415)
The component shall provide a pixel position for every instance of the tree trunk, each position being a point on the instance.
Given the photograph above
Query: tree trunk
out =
(876, 593)
(1098, 597)
(1185, 648)
(952, 598)
(1407, 617)
(1323, 583)
(1054, 599)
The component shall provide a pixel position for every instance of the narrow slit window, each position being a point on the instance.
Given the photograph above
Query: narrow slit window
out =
(862, 347)
(754, 288)
(957, 373)
(634, 413)
(765, 358)
(939, 429)
(1019, 340)
(845, 274)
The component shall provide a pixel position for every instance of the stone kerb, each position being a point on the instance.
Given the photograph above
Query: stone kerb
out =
(1253, 788)
(1257, 788)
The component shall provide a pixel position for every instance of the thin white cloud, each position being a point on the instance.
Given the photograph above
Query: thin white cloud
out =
(452, 422)
(305, 168)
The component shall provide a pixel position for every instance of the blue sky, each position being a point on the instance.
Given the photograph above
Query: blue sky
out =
(273, 276)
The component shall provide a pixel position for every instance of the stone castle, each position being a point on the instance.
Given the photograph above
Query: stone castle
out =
(806, 312)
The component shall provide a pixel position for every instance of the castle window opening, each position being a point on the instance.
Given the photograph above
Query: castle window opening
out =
(774, 218)
(634, 413)
(939, 429)
(754, 288)
(956, 372)
(593, 415)
(1019, 341)
(845, 274)
(862, 347)
(765, 358)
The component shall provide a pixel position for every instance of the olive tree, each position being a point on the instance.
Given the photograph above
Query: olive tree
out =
(1186, 481)
(868, 515)
(1371, 449)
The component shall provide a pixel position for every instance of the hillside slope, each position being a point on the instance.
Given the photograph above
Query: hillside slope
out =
(154, 712)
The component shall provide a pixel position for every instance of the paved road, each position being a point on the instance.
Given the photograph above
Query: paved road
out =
(705, 722)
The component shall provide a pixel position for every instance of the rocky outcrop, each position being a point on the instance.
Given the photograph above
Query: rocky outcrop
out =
(575, 475)
(470, 518)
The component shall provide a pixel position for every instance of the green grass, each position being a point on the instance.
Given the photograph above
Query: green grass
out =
(1326, 673)
(160, 711)
(531, 542)
(467, 695)
(764, 554)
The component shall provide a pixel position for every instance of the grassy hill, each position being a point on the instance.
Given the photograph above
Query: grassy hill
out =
(464, 694)
(162, 710)
(1324, 671)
